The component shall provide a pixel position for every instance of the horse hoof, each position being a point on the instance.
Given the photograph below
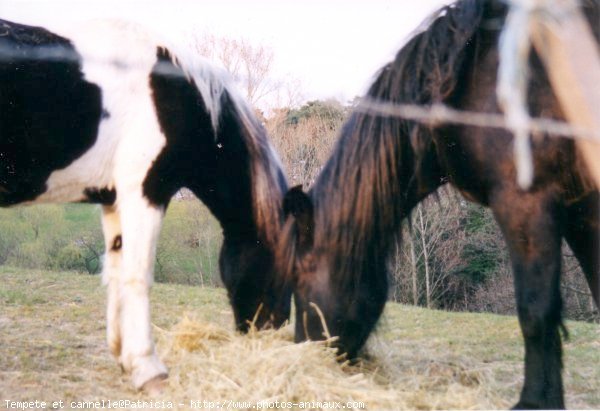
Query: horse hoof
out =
(523, 405)
(155, 386)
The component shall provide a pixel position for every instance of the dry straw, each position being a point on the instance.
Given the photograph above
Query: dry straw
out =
(209, 362)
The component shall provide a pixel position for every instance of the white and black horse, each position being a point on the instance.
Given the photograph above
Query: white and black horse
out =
(107, 114)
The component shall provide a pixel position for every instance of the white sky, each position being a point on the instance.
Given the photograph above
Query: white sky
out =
(333, 47)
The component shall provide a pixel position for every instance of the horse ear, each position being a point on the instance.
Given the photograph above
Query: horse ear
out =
(299, 205)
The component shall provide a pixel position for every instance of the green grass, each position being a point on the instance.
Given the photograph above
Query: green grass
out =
(52, 343)
(62, 237)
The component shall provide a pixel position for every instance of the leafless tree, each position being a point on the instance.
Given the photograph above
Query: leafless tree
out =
(438, 229)
(430, 251)
(251, 66)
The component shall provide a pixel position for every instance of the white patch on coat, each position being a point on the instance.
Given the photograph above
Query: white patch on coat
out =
(111, 270)
(118, 58)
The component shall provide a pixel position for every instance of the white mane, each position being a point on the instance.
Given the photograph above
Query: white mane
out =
(136, 49)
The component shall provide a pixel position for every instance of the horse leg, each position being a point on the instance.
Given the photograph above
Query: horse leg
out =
(111, 227)
(583, 236)
(530, 224)
(140, 223)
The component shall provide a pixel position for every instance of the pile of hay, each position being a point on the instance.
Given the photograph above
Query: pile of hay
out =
(212, 363)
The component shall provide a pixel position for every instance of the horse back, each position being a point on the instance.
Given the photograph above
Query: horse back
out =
(77, 115)
(49, 114)
(480, 162)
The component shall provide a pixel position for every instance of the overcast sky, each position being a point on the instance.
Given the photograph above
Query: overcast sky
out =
(332, 46)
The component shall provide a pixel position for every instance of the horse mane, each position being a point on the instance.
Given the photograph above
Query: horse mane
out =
(210, 80)
(363, 191)
(378, 171)
(217, 89)
(267, 179)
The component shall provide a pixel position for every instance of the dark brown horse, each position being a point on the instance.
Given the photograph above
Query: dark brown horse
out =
(335, 247)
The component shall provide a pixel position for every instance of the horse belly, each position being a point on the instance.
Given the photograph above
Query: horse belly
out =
(89, 154)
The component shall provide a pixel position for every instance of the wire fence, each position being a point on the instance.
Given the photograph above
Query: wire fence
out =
(512, 81)
(438, 114)
(63, 54)
(511, 90)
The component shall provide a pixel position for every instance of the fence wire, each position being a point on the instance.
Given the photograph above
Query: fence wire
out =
(61, 54)
(438, 114)
(431, 115)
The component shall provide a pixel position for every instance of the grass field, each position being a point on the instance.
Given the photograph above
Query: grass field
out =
(69, 237)
(52, 348)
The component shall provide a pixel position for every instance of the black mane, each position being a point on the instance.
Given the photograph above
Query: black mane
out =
(378, 160)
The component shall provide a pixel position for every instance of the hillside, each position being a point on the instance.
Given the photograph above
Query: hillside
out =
(52, 348)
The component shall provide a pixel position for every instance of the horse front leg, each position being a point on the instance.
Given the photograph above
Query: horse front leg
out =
(582, 233)
(111, 272)
(140, 222)
(530, 223)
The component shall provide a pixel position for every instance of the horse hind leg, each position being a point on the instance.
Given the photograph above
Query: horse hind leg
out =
(111, 227)
(530, 223)
(582, 232)
(140, 222)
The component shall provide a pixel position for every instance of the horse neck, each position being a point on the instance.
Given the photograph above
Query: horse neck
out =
(373, 180)
(247, 183)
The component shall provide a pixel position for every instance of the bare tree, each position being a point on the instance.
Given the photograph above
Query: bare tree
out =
(454, 257)
(413, 269)
(250, 65)
(429, 258)
(577, 298)
(438, 256)
(289, 93)
(405, 283)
